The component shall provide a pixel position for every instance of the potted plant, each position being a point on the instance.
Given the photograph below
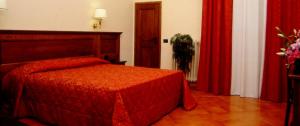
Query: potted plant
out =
(183, 51)
(291, 51)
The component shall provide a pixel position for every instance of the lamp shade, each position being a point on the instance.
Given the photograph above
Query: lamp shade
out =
(2, 4)
(100, 13)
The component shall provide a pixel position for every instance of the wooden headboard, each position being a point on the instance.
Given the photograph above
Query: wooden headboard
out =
(19, 46)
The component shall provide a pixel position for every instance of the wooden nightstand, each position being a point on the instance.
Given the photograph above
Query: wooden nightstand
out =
(120, 62)
(6, 121)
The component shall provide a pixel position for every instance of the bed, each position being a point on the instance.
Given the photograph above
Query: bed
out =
(87, 90)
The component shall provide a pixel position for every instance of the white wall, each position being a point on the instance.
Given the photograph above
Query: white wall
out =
(249, 18)
(71, 15)
(178, 16)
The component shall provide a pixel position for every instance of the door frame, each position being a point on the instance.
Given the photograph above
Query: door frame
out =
(135, 29)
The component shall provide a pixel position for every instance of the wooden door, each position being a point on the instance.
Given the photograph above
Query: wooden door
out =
(147, 34)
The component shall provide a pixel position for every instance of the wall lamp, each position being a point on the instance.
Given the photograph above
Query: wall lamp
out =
(2, 4)
(99, 15)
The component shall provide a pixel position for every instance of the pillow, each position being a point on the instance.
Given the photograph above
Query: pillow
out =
(56, 64)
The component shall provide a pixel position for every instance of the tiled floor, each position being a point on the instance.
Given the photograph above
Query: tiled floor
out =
(226, 111)
(221, 111)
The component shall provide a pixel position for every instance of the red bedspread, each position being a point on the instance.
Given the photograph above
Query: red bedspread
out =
(89, 91)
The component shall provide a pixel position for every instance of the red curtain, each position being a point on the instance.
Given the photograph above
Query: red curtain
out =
(214, 74)
(286, 15)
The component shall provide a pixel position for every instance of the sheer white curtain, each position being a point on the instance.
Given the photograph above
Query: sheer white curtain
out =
(249, 21)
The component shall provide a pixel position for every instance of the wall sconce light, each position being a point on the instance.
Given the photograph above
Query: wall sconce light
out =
(99, 15)
(2, 4)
